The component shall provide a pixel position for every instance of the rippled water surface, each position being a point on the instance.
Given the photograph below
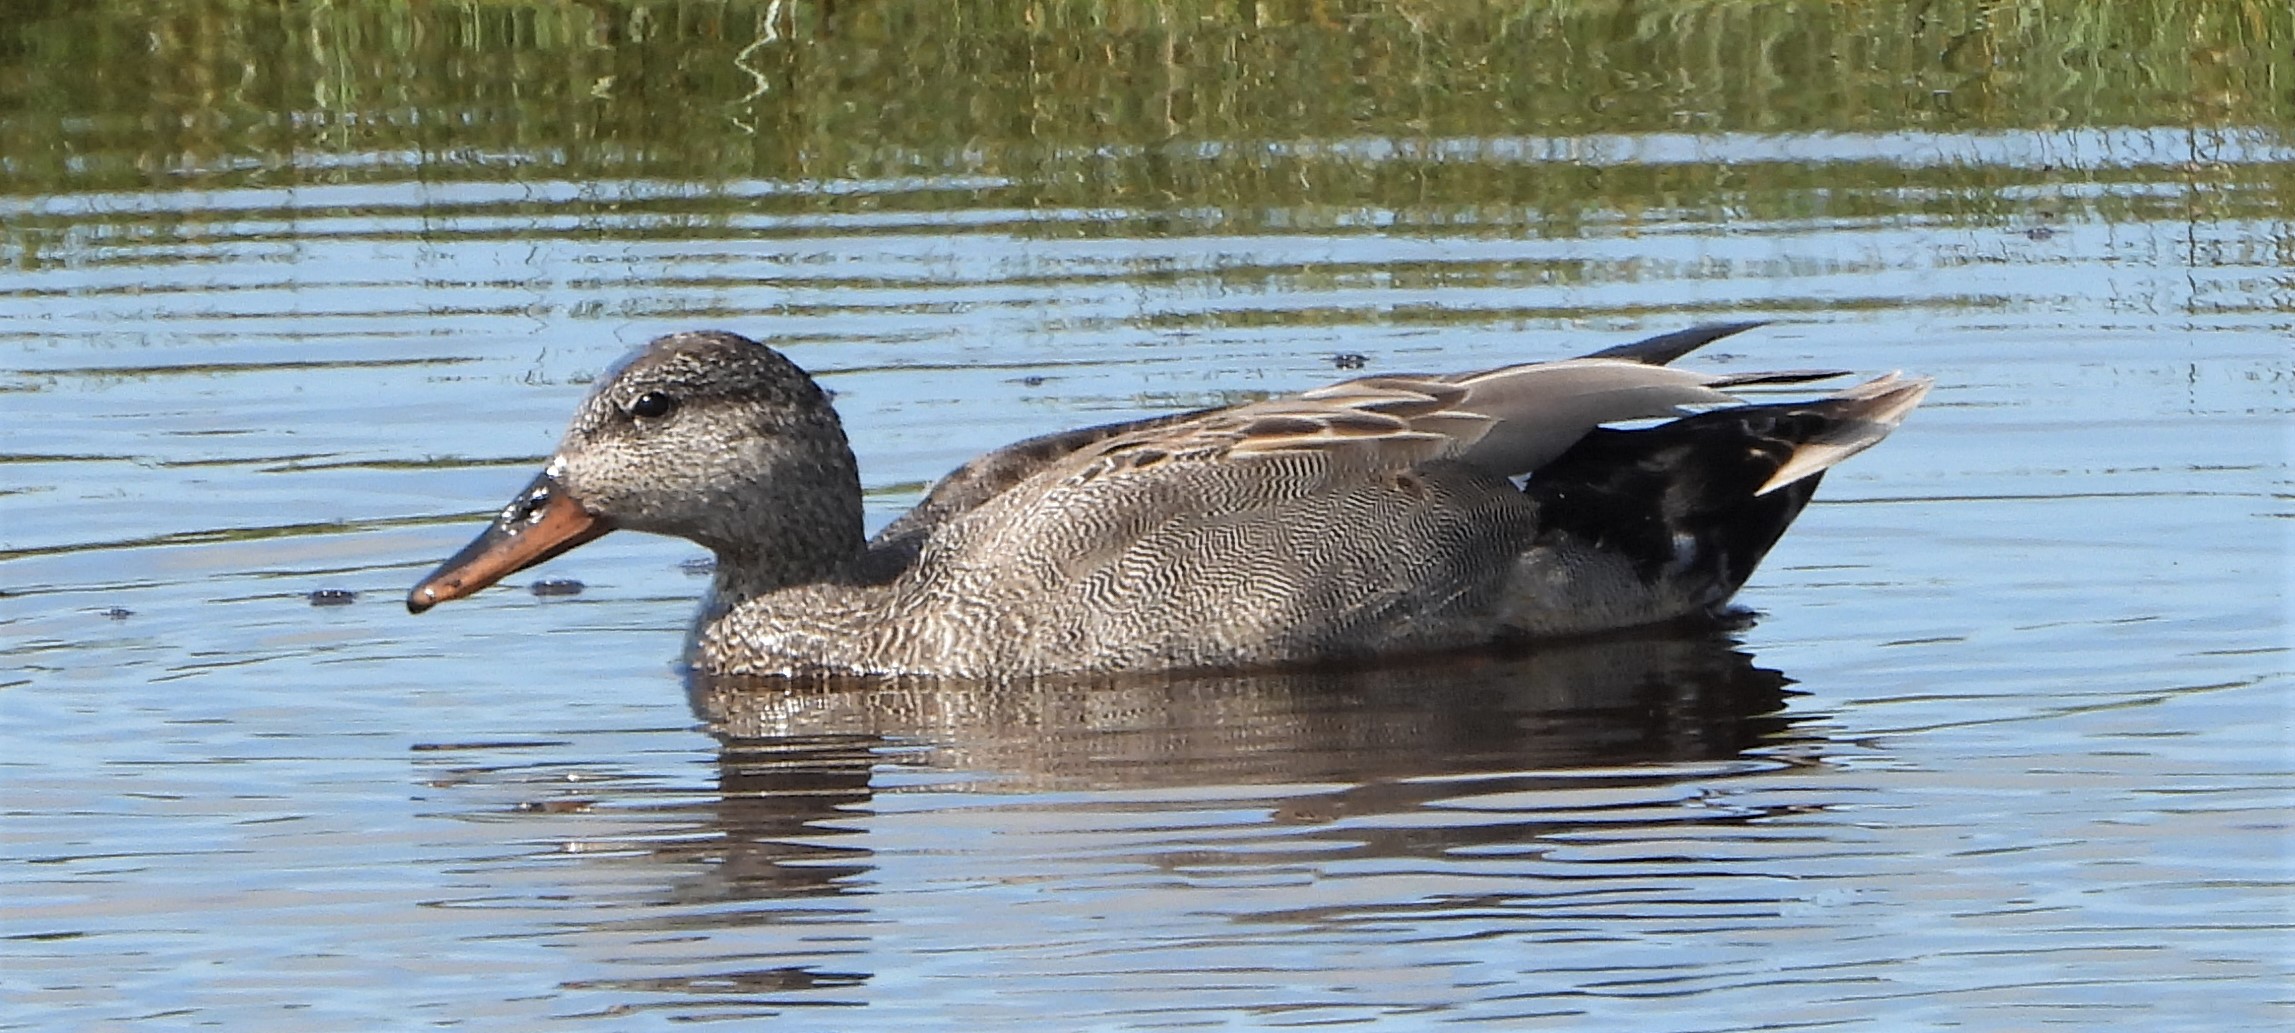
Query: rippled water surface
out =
(290, 306)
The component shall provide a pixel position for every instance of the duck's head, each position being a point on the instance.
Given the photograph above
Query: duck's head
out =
(707, 436)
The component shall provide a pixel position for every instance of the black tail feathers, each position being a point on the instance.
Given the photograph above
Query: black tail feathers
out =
(1695, 504)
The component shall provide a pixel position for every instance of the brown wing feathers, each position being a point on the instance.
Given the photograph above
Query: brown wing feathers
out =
(1511, 420)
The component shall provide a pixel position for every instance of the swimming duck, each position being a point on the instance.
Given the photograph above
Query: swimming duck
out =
(1386, 515)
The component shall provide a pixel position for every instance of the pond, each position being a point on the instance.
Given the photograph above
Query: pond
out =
(296, 296)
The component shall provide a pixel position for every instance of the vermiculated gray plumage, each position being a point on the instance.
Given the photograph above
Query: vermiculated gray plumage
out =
(1385, 515)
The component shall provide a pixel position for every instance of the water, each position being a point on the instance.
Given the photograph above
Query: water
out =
(2007, 746)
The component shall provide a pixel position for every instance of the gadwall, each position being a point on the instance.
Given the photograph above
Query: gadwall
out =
(1387, 515)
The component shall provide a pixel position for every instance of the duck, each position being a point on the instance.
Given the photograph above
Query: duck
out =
(1378, 517)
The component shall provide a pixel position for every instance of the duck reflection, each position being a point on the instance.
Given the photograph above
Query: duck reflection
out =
(799, 762)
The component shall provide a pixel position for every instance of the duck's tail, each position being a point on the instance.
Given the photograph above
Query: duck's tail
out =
(1692, 506)
(1842, 425)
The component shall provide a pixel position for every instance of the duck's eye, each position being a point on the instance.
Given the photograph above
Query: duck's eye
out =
(652, 405)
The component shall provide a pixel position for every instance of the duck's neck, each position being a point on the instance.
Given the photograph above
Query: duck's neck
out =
(744, 574)
(797, 538)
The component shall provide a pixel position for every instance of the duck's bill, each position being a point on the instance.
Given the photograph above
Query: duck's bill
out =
(540, 523)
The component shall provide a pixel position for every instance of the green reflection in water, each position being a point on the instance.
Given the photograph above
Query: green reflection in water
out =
(243, 92)
(1554, 119)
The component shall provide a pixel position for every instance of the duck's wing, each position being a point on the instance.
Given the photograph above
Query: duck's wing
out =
(1515, 419)
(1509, 420)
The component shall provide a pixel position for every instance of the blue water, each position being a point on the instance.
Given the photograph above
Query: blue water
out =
(2007, 746)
